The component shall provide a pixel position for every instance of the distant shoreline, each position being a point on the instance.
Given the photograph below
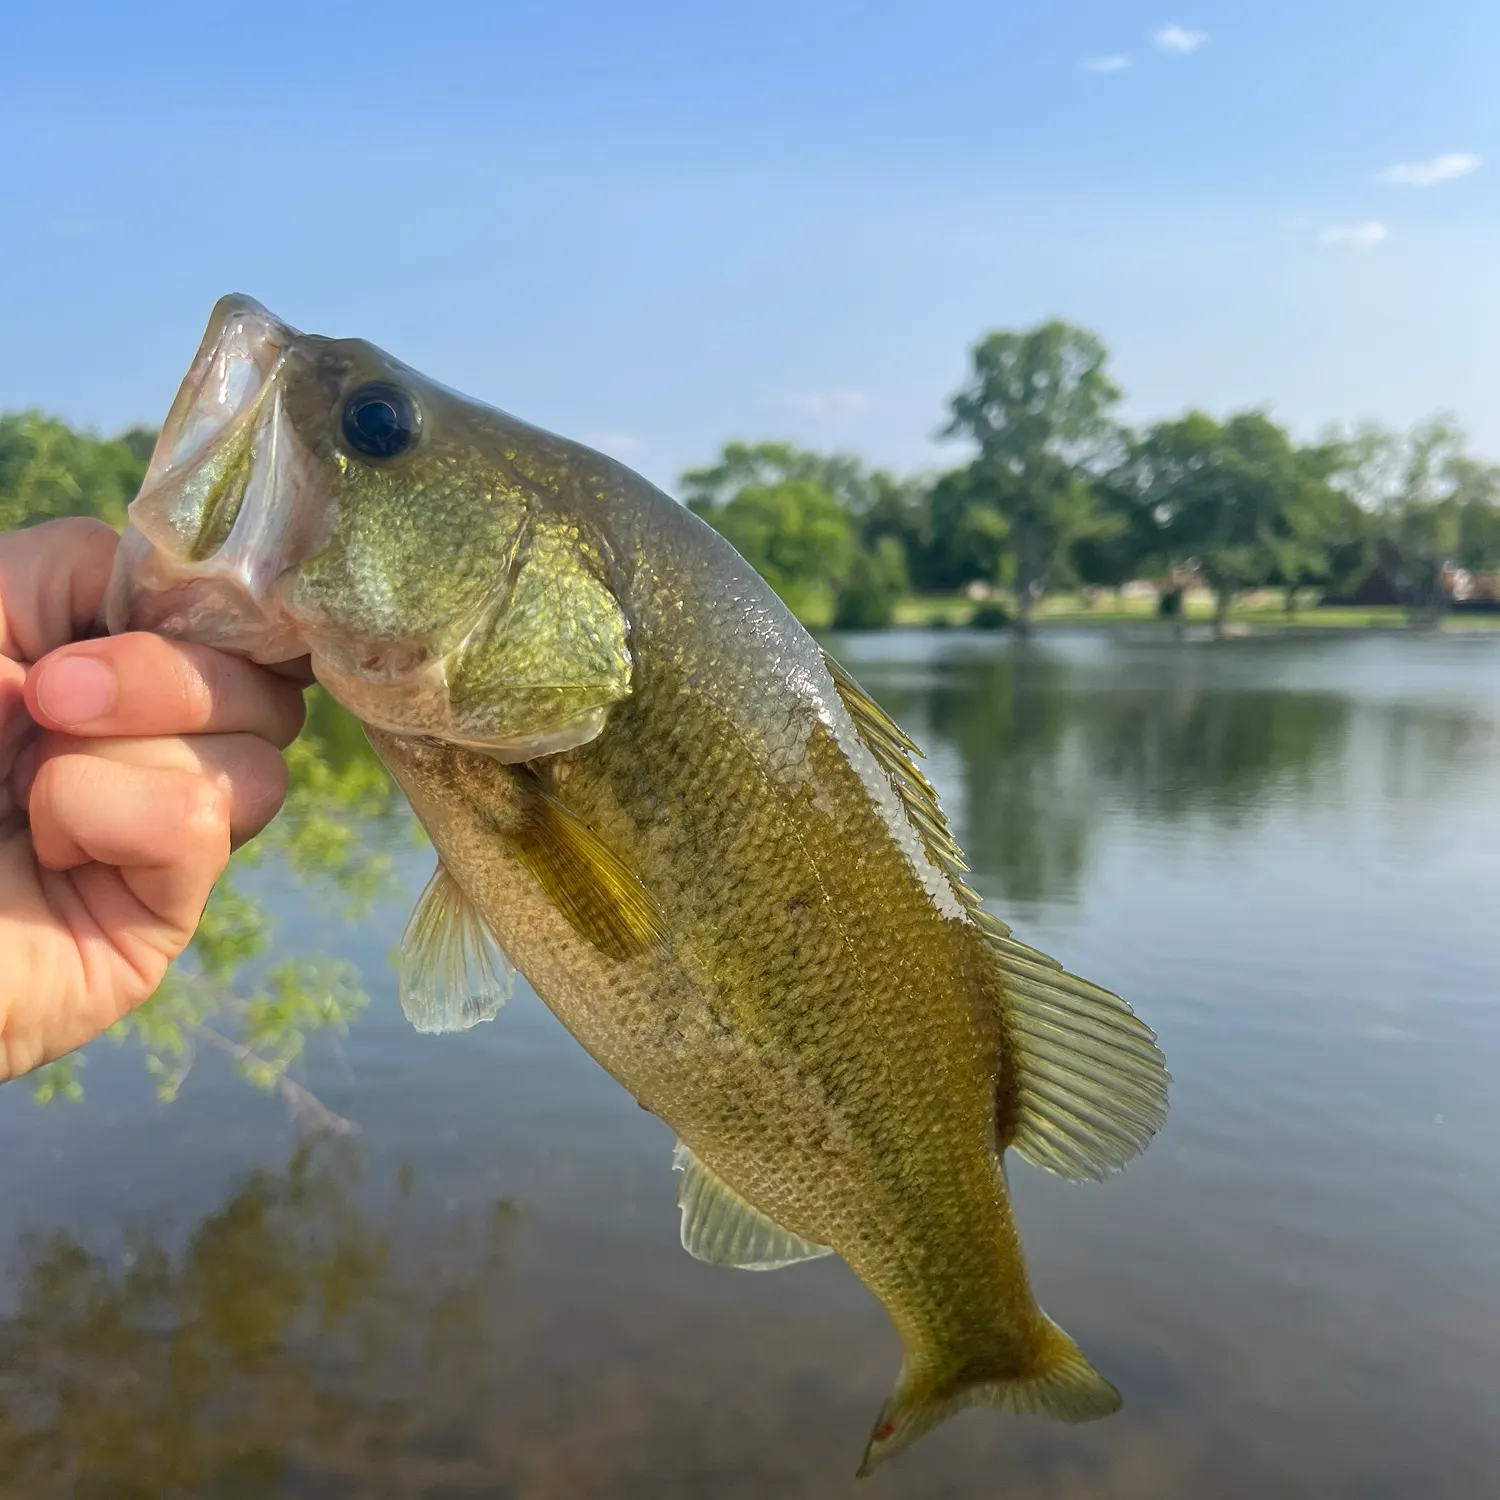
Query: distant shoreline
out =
(1256, 619)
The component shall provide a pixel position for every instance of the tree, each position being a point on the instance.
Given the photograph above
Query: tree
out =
(969, 535)
(1037, 407)
(744, 466)
(877, 579)
(1427, 504)
(900, 510)
(1235, 498)
(1477, 488)
(1124, 543)
(796, 535)
(1424, 520)
(829, 536)
(47, 469)
(1325, 541)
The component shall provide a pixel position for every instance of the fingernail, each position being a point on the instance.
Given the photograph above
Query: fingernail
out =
(75, 691)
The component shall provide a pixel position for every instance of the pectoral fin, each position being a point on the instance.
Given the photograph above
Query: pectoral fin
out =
(600, 895)
(719, 1227)
(453, 974)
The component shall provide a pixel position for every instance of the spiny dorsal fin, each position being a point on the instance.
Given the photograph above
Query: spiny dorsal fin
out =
(1091, 1083)
(893, 749)
(584, 878)
(719, 1227)
(453, 973)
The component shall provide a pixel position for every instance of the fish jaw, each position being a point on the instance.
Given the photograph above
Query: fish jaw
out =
(225, 508)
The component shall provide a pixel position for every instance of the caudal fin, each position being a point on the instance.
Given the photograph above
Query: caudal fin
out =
(1062, 1384)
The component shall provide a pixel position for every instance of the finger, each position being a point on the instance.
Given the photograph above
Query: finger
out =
(248, 771)
(15, 722)
(52, 579)
(165, 830)
(142, 684)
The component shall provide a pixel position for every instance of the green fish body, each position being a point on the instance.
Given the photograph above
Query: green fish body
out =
(710, 854)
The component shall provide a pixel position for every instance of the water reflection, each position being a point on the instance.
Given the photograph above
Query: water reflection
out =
(1047, 739)
(1288, 855)
(252, 1352)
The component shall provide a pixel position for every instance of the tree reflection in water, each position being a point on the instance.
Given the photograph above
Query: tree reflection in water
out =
(1047, 743)
(273, 1342)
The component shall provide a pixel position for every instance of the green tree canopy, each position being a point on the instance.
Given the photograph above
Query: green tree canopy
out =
(832, 538)
(1237, 498)
(796, 535)
(744, 466)
(1428, 503)
(47, 469)
(877, 579)
(1037, 406)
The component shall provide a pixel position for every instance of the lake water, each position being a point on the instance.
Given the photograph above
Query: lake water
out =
(1285, 852)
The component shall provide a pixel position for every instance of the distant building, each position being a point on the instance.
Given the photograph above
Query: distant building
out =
(1473, 593)
(1463, 591)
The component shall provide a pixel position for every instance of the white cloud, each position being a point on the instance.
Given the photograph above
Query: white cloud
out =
(1179, 39)
(825, 406)
(616, 444)
(1442, 168)
(1357, 236)
(1116, 62)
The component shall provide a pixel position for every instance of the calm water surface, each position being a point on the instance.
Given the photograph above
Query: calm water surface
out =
(1286, 853)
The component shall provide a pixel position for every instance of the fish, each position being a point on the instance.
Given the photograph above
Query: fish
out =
(658, 798)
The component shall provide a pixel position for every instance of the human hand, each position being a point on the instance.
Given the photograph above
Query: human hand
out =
(129, 768)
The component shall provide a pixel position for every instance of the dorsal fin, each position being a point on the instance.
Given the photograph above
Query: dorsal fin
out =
(1091, 1083)
(893, 748)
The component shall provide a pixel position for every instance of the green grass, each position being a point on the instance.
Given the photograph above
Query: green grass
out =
(919, 610)
(931, 609)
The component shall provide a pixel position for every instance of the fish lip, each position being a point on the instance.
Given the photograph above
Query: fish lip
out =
(236, 359)
(225, 599)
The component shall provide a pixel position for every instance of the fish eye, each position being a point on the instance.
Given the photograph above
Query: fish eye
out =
(381, 421)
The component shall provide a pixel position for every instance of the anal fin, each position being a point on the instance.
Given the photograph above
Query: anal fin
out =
(719, 1227)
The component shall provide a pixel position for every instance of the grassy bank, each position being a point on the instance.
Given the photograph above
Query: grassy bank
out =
(926, 610)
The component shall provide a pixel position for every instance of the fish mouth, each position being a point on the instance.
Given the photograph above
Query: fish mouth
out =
(219, 517)
(234, 365)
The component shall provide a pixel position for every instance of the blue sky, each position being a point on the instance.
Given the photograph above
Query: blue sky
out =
(660, 225)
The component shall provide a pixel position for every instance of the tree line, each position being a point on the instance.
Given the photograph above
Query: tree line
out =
(1057, 494)
(1054, 494)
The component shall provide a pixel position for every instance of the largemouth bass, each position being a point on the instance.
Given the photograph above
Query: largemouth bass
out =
(709, 852)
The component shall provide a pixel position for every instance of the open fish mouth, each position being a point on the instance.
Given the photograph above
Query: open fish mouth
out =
(234, 364)
(218, 520)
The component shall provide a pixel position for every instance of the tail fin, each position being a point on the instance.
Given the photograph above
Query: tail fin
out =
(1062, 1384)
